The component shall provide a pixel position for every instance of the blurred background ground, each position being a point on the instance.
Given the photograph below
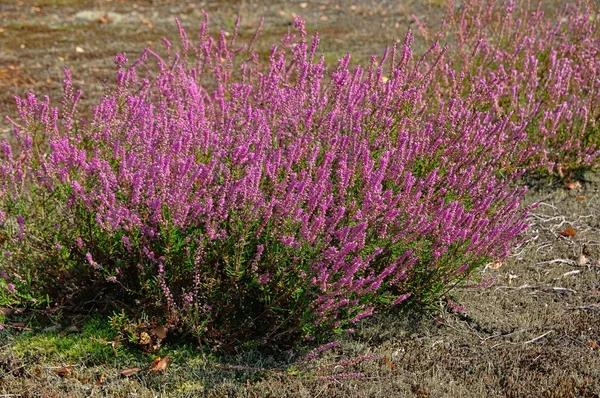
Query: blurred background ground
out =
(533, 332)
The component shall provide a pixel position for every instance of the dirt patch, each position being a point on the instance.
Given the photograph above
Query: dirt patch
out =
(533, 331)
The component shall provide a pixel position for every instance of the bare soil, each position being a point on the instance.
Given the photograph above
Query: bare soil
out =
(534, 331)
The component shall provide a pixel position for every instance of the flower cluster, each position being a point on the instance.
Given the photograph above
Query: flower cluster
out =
(541, 72)
(260, 201)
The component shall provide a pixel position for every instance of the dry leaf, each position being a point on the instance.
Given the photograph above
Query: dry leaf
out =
(322, 7)
(303, 5)
(103, 19)
(592, 344)
(130, 372)
(147, 22)
(19, 325)
(496, 265)
(568, 232)
(145, 338)
(159, 365)
(572, 184)
(582, 260)
(580, 197)
(79, 49)
(62, 372)
(160, 332)
(100, 380)
(324, 18)
(6, 311)
(388, 363)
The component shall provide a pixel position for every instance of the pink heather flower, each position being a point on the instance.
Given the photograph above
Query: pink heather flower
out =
(264, 279)
(455, 307)
(299, 24)
(127, 243)
(91, 261)
(79, 243)
(11, 288)
(112, 279)
(400, 299)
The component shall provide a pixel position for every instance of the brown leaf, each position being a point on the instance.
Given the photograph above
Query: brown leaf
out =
(145, 338)
(496, 265)
(130, 372)
(592, 344)
(19, 325)
(103, 19)
(389, 363)
(6, 311)
(147, 22)
(160, 332)
(580, 198)
(100, 380)
(568, 232)
(324, 18)
(572, 184)
(159, 365)
(64, 371)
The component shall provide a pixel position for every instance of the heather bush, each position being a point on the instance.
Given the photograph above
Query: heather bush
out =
(257, 202)
(541, 71)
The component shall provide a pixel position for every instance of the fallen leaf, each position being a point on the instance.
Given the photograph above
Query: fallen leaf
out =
(592, 344)
(582, 260)
(100, 380)
(6, 311)
(147, 22)
(322, 7)
(580, 197)
(103, 19)
(324, 18)
(568, 232)
(389, 363)
(130, 372)
(572, 184)
(62, 372)
(496, 265)
(19, 325)
(159, 365)
(160, 332)
(303, 5)
(79, 49)
(145, 338)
